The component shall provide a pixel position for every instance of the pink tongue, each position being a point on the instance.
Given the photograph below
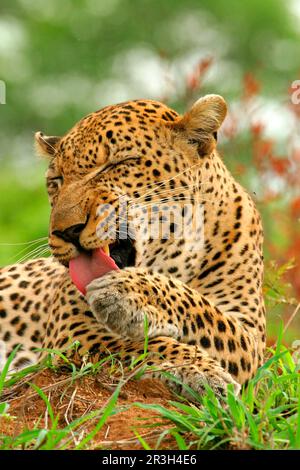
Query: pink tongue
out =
(85, 268)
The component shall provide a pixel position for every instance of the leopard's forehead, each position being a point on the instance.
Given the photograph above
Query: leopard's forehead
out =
(128, 127)
(141, 111)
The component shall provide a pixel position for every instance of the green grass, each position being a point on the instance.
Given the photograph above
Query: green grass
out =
(265, 415)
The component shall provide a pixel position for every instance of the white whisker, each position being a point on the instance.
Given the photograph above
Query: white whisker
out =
(33, 252)
(32, 242)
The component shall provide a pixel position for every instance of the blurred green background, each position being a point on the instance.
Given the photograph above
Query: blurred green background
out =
(62, 60)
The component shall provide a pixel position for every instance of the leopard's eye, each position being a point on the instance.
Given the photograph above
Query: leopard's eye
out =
(53, 185)
(56, 181)
(112, 165)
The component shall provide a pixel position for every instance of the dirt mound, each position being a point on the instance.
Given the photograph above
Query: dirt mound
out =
(70, 400)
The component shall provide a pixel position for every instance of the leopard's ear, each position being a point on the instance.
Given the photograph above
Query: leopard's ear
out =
(201, 123)
(45, 145)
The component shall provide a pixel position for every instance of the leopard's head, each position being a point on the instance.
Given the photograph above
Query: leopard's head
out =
(114, 178)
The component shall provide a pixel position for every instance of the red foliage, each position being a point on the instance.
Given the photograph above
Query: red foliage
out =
(251, 86)
(257, 129)
(279, 165)
(194, 80)
(262, 151)
(294, 274)
(295, 209)
(268, 163)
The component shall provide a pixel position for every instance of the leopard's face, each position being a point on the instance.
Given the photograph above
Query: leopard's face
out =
(119, 176)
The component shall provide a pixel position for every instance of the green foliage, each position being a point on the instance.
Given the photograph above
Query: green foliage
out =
(6, 367)
(264, 416)
(24, 214)
(4, 406)
(277, 291)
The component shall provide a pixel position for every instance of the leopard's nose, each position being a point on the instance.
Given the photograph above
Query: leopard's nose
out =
(70, 234)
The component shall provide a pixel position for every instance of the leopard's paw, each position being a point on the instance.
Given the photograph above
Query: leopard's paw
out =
(196, 378)
(117, 306)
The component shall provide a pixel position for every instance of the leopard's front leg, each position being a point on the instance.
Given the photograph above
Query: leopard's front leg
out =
(121, 299)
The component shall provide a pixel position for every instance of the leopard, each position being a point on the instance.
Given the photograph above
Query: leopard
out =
(189, 287)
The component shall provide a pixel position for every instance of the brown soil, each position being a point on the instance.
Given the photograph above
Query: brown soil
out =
(73, 400)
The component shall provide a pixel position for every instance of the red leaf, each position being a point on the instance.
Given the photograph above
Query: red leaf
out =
(295, 207)
(193, 82)
(257, 129)
(279, 165)
(251, 86)
(195, 78)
